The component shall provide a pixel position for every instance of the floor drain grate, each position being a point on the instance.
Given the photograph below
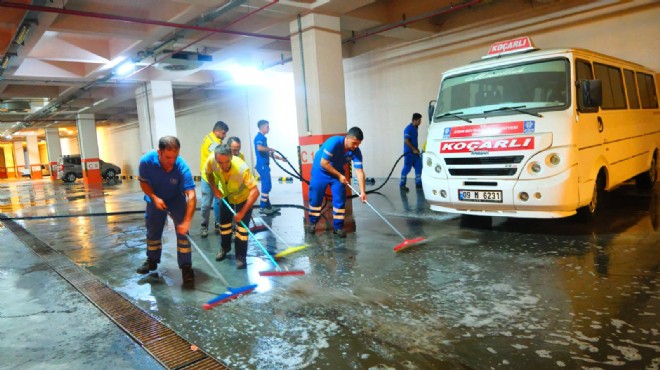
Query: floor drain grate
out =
(166, 346)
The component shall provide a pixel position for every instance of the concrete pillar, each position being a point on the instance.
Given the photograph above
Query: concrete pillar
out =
(19, 158)
(33, 157)
(155, 106)
(8, 169)
(319, 82)
(89, 149)
(3, 163)
(54, 149)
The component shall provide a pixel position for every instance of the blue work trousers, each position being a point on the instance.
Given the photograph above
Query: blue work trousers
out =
(155, 222)
(410, 161)
(317, 187)
(266, 184)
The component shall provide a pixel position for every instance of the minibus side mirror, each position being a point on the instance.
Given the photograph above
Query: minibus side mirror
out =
(431, 110)
(592, 93)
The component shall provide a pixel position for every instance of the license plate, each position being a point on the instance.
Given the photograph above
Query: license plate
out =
(491, 196)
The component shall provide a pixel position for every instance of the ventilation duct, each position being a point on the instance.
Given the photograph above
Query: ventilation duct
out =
(15, 106)
(183, 61)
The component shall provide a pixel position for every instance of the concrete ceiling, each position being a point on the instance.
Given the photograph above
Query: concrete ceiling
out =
(58, 54)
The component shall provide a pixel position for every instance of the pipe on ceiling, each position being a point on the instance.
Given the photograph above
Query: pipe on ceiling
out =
(387, 27)
(114, 17)
(273, 2)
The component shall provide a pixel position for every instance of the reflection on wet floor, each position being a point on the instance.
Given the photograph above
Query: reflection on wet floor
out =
(520, 294)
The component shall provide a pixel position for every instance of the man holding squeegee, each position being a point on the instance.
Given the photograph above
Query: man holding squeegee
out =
(230, 178)
(328, 170)
(168, 186)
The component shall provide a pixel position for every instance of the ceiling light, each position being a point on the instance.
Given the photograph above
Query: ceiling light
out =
(124, 68)
(22, 33)
(6, 60)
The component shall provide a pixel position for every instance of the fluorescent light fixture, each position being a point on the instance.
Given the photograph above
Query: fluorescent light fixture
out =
(125, 68)
(6, 60)
(113, 63)
(22, 34)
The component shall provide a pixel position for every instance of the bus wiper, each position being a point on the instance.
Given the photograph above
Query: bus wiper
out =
(452, 114)
(517, 109)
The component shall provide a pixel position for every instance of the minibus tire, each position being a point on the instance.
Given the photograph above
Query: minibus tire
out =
(646, 180)
(591, 211)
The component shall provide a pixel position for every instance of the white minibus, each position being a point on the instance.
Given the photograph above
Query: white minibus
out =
(540, 133)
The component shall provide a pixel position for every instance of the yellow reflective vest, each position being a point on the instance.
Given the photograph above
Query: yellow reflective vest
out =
(236, 184)
(208, 146)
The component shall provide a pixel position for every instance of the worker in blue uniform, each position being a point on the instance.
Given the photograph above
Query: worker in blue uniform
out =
(264, 153)
(411, 157)
(328, 170)
(168, 186)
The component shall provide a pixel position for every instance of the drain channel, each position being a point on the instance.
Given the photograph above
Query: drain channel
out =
(161, 342)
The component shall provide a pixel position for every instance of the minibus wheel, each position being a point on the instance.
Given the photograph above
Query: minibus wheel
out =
(646, 180)
(594, 208)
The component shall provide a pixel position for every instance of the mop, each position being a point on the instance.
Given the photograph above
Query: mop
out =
(407, 243)
(278, 271)
(231, 293)
(289, 249)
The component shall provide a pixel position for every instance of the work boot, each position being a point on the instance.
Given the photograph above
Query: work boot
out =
(241, 264)
(217, 228)
(268, 210)
(418, 186)
(310, 228)
(339, 232)
(204, 231)
(403, 188)
(187, 273)
(147, 266)
(222, 254)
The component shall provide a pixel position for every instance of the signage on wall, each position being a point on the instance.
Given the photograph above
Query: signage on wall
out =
(92, 165)
(307, 153)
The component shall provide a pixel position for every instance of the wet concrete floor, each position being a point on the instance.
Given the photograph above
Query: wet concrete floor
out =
(522, 294)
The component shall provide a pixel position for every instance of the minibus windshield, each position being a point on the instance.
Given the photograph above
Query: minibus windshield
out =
(539, 85)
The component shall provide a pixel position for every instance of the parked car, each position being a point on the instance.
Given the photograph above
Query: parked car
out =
(70, 168)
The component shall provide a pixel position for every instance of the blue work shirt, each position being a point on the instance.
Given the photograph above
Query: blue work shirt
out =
(410, 133)
(262, 157)
(333, 151)
(166, 185)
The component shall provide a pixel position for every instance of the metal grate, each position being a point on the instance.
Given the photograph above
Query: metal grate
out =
(482, 171)
(166, 346)
(510, 159)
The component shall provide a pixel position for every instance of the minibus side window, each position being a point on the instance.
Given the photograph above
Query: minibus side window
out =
(583, 72)
(647, 91)
(631, 88)
(613, 95)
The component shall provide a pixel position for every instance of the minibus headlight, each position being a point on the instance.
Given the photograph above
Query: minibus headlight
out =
(535, 167)
(554, 159)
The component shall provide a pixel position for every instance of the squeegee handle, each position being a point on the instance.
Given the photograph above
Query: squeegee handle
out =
(201, 253)
(378, 213)
(273, 232)
(252, 235)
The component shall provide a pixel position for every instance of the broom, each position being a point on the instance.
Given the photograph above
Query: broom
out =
(407, 243)
(231, 293)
